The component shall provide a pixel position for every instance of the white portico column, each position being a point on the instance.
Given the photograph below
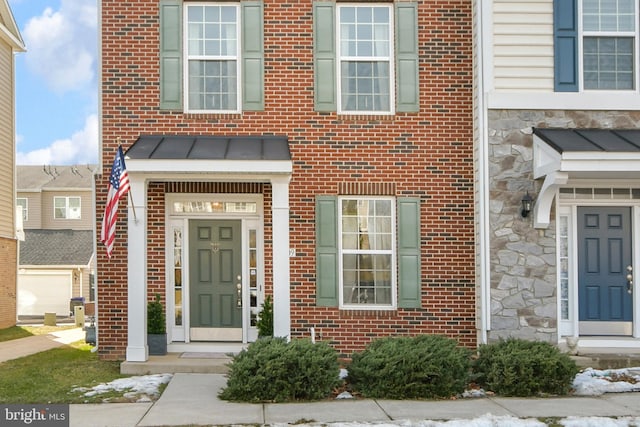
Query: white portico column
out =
(137, 350)
(281, 294)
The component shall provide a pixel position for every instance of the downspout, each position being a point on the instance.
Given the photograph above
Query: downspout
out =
(483, 10)
(97, 172)
(94, 258)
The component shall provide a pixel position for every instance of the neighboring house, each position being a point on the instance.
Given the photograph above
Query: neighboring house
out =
(319, 152)
(10, 43)
(559, 116)
(57, 260)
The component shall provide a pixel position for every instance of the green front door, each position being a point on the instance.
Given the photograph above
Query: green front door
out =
(215, 280)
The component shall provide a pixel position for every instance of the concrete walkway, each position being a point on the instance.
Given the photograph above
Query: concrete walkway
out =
(191, 399)
(22, 347)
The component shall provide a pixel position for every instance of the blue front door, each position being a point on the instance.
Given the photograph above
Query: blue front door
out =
(604, 261)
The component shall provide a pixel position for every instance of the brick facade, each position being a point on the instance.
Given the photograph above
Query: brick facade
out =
(8, 271)
(427, 155)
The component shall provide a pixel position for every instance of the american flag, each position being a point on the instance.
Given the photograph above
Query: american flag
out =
(118, 187)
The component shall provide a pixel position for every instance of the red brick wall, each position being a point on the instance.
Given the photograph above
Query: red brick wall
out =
(8, 271)
(426, 154)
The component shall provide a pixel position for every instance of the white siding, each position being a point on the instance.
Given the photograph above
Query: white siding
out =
(34, 219)
(7, 132)
(522, 45)
(86, 216)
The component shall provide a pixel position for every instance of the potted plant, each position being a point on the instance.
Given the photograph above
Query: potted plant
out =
(265, 319)
(156, 328)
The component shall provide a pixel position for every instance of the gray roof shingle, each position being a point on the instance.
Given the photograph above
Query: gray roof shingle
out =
(56, 247)
(37, 178)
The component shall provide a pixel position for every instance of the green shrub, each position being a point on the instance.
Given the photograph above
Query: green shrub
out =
(425, 366)
(265, 319)
(516, 367)
(273, 370)
(155, 316)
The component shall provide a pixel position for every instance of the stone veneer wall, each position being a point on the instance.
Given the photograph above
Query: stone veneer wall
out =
(523, 259)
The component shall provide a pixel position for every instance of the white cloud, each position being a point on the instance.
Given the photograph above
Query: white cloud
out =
(81, 148)
(62, 46)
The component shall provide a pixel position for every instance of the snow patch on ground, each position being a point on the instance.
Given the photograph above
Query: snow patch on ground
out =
(489, 420)
(595, 382)
(145, 388)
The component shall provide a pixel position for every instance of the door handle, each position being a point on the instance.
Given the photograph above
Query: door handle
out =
(239, 292)
(629, 279)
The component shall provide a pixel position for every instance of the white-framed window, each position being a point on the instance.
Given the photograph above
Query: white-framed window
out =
(609, 44)
(367, 252)
(66, 208)
(23, 202)
(212, 66)
(365, 58)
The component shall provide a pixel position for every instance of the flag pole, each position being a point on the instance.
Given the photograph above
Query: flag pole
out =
(133, 207)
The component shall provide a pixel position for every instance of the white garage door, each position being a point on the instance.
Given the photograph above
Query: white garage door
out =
(44, 293)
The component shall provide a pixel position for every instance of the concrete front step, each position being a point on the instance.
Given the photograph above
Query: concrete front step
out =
(171, 363)
(607, 360)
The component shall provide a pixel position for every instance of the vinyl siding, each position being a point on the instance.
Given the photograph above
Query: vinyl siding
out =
(7, 132)
(523, 45)
(86, 216)
(34, 206)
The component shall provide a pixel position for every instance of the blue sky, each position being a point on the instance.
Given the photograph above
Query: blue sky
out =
(57, 82)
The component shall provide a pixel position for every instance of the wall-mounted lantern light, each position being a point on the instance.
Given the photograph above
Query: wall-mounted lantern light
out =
(527, 202)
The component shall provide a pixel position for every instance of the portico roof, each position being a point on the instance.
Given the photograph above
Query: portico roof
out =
(263, 154)
(560, 155)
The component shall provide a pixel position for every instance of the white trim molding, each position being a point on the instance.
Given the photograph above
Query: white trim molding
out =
(141, 172)
(558, 168)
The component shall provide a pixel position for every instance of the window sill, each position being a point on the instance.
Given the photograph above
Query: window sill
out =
(212, 116)
(379, 118)
(368, 313)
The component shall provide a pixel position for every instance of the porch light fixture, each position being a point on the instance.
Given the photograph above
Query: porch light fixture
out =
(527, 201)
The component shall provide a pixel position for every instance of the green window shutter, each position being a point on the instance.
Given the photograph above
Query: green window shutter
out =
(326, 251)
(170, 55)
(324, 56)
(252, 56)
(409, 289)
(408, 90)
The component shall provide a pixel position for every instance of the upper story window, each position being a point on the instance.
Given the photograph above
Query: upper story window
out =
(365, 57)
(609, 40)
(66, 207)
(211, 56)
(24, 204)
(595, 45)
(212, 66)
(365, 51)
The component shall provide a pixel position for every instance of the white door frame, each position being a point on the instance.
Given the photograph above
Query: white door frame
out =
(141, 173)
(568, 329)
(249, 221)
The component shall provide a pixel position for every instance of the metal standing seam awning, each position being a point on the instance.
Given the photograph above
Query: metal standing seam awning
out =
(268, 154)
(563, 154)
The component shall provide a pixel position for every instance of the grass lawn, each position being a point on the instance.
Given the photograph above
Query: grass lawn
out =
(50, 376)
(15, 332)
